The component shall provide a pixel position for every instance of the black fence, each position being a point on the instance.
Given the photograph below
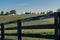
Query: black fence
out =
(56, 15)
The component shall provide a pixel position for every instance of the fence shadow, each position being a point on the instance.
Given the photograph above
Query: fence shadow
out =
(7, 39)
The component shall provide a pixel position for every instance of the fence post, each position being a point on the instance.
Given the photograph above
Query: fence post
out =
(59, 25)
(2, 32)
(56, 25)
(19, 29)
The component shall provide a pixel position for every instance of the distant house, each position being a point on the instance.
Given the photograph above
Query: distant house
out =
(27, 12)
(11, 14)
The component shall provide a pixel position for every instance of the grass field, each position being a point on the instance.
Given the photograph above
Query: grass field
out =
(37, 22)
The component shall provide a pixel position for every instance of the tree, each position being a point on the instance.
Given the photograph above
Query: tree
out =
(58, 10)
(13, 12)
(50, 12)
(6, 13)
(42, 12)
(2, 13)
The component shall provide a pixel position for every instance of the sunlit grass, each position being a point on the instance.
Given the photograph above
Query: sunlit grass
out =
(30, 38)
(16, 17)
(39, 31)
(34, 31)
(39, 22)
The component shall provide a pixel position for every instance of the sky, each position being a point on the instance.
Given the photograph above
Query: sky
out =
(22, 6)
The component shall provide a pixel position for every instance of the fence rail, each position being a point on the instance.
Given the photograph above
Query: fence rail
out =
(46, 26)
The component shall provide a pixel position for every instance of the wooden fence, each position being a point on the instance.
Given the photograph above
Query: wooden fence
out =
(56, 15)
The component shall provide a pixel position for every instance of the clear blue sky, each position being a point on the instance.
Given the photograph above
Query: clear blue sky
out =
(29, 5)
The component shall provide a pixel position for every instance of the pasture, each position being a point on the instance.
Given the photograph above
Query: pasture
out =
(27, 31)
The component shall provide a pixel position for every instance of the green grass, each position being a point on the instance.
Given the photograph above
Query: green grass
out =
(30, 38)
(39, 31)
(35, 31)
(15, 17)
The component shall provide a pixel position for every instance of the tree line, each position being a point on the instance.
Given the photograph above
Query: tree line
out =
(14, 12)
(48, 12)
(8, 13)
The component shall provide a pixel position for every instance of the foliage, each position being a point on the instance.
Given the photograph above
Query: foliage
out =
(2, 12)
(13, 12)
(6, 13)
(50, 12)
(42, 12)
(58, 10)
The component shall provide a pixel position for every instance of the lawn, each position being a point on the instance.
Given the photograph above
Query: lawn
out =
(35, 31)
